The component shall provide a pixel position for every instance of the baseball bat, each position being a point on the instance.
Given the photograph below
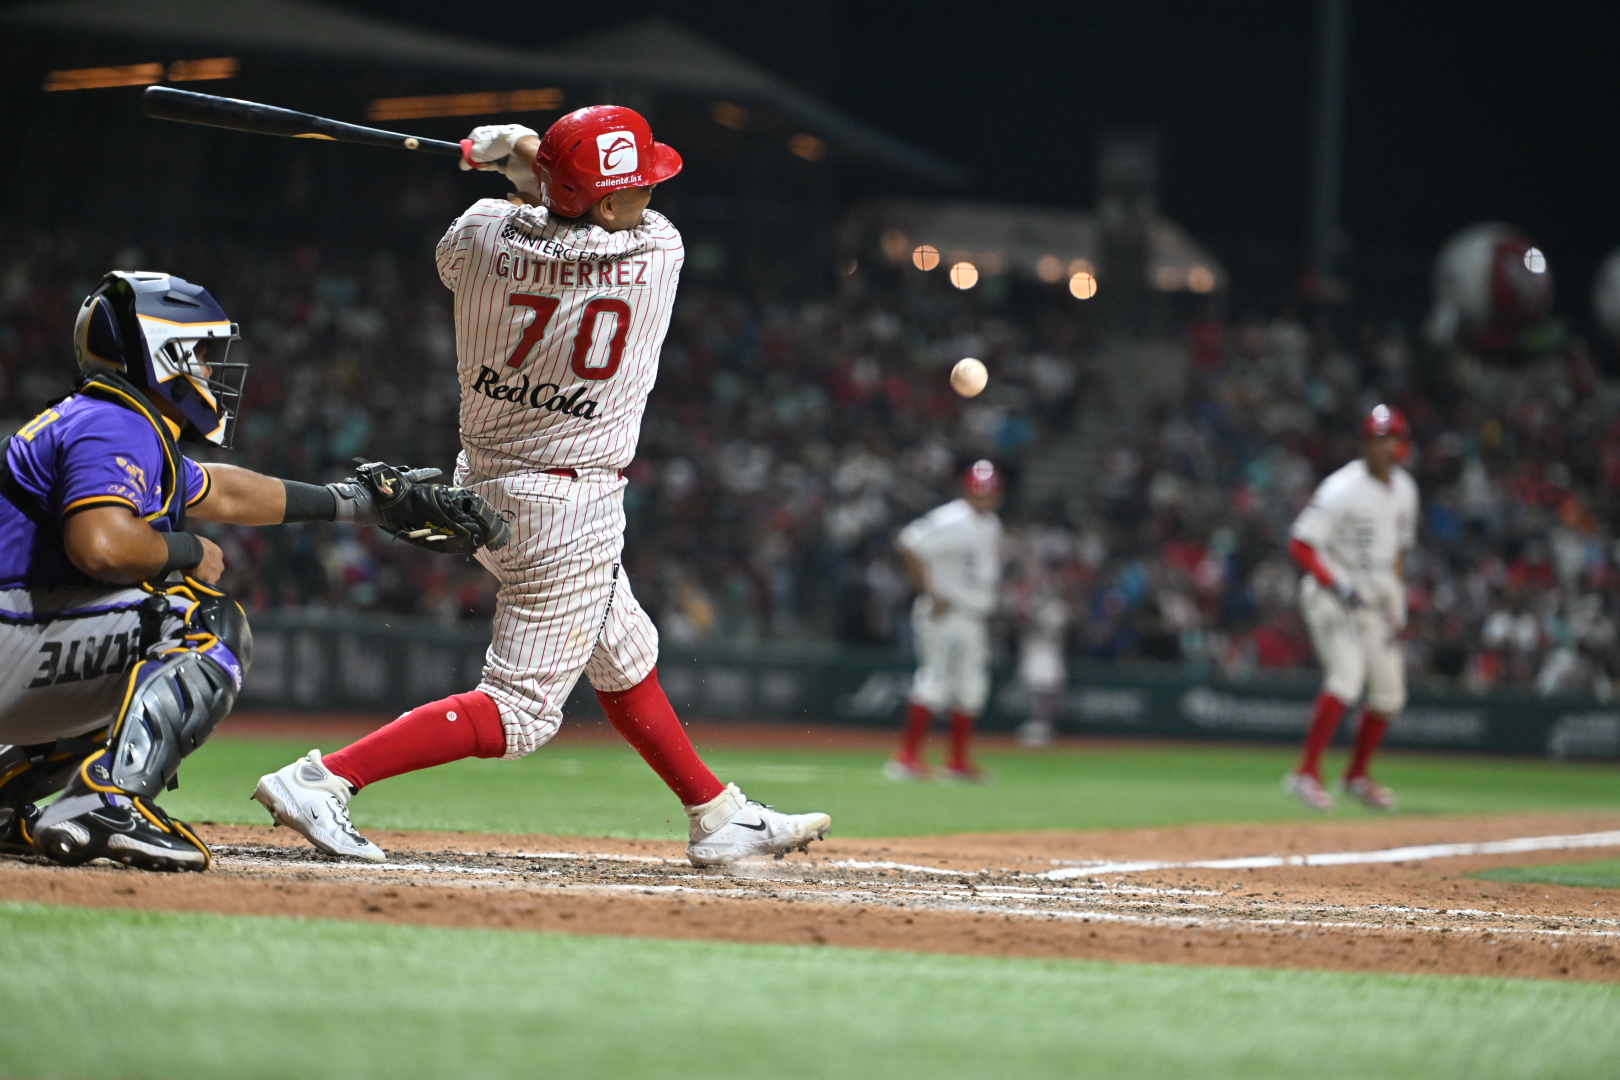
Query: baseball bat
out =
(165, 103)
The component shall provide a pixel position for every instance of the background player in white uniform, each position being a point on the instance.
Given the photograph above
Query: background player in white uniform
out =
(953, 553)
(1043, 617)
(562, 300)
(1351, 540)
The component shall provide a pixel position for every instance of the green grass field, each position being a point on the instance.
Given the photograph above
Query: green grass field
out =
(606, 790)
(88, 993)
(1598, 874)
(134, 995)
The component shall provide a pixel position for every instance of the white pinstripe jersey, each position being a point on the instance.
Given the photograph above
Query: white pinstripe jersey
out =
(558, 330)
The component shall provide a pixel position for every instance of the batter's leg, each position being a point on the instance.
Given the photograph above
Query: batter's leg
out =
(724, 824)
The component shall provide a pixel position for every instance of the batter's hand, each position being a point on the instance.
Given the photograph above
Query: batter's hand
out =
(491, 144)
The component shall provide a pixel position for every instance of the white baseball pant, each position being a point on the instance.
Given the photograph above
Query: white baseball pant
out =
(564, 606)
(1357, 648)
(953, 660)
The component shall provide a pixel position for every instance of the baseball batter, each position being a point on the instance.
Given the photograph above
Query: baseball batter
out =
(953, 554)
(562, 300)
(1351, 540)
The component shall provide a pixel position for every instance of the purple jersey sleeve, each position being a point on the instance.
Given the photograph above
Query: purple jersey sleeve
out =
(116, 461)
(198, 482)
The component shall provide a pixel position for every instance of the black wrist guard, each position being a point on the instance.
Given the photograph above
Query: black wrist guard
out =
(185, 551)
(308, 502)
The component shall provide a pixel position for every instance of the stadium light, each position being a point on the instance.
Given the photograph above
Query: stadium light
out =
(1167, 279)
(1083, 285)
(728, 115)
(807, 147)
(481, 104)
(1049, 269)
(925, 257)
(1201, 279)
(95, 78)
(964, 275)
(220, 67)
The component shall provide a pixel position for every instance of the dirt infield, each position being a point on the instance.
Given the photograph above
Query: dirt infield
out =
(1350, 896)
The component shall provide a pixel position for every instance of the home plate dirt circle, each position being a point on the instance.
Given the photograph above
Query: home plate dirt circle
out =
(1387, 895)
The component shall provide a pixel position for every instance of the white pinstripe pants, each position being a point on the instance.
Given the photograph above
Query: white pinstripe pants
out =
(564, 605)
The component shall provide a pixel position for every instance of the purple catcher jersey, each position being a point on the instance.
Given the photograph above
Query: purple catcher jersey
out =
(82, 453)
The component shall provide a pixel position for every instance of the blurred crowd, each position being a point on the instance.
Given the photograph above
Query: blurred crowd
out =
(786, 443)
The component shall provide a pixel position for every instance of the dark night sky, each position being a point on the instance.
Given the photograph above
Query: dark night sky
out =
(1457, 111)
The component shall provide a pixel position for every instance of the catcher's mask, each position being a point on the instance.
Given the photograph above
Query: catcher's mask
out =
(171, 339)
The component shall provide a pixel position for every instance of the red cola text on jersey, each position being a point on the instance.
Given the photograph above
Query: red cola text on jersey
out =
(547, 396)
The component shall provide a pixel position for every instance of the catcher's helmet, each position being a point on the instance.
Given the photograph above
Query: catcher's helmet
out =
(982, 478)
(171, 339)
(592, 152)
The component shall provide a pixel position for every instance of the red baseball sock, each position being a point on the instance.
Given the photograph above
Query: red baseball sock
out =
(914, 733)
(961, 740)
(644, 716)
(1373, 726)
(460, 726)
(1324, 722)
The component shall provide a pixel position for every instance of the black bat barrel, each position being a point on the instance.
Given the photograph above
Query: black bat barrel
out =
(166, 103)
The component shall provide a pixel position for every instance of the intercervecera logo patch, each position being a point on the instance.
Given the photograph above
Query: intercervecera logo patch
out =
(547, 396)
(617, 151)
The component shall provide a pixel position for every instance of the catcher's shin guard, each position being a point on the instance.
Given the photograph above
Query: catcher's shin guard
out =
(175, 700)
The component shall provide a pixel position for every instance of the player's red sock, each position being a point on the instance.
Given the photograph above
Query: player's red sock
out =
(961, 740)
(1373, 726)
(460, 726)
(644, 716)
(1324, 722)
(914, 733)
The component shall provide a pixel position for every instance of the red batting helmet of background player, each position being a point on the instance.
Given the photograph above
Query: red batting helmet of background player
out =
(596, 151)
(982, 478)
(1387, 420)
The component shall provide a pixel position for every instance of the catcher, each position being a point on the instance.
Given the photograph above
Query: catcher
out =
(118, 656)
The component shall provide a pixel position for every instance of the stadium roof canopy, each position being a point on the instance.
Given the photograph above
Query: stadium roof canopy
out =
(652, 55)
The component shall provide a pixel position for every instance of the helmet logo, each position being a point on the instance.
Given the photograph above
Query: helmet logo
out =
(616, 151)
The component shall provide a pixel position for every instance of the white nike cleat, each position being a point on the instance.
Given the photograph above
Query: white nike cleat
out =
(310, 799)
(731, 826)
(1308, 790)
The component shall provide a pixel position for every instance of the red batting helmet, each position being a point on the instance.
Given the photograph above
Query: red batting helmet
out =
(982, 478)
(596, 151)
(1384, 420)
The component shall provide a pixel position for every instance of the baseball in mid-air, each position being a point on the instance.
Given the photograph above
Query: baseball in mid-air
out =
(969, 376)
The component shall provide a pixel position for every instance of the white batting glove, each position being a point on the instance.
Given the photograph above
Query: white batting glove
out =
(491, 143)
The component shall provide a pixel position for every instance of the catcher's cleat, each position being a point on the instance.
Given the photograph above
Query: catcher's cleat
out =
(731, 826)
(16, 829)
(1308, 790)
(1369, 791)
(313, 801)
(904, 772)
(93, 820)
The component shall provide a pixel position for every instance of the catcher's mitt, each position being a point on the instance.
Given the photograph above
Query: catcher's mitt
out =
(438, 517)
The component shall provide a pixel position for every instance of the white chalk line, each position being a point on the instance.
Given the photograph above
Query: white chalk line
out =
(1417, 853)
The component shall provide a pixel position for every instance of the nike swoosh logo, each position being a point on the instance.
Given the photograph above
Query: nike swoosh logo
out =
(757, 828)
